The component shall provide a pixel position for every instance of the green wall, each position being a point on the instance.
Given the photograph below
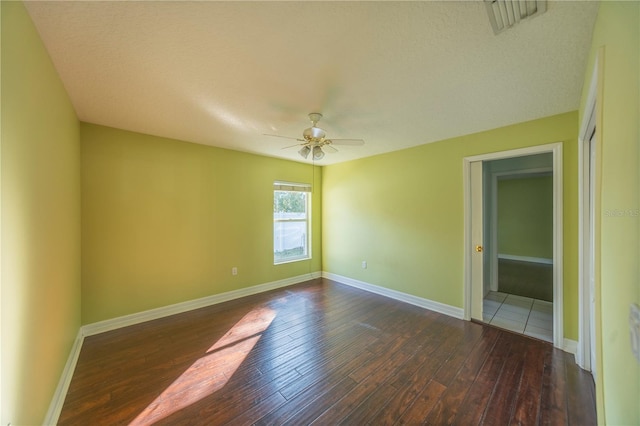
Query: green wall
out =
(525, 217)
(164, 221)
(402, 212)
(616, 39)
(40, 199)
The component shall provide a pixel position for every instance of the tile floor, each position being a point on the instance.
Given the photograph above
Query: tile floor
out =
(524, 315)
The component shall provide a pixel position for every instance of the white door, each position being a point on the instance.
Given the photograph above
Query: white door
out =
(477, 287)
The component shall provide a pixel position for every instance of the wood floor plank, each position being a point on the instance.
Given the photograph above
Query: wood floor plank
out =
(410, 386)
(307, 389)
(319, 404)
(343, 367)
(458, 387)
(423, 404)
(553, 396)
(470, 334)
(576, 379)
(253, 411)
(227, 406)
(527, 408)
(371, 381)
(369, 408)
(322, 353)
(474, 405)
(500, 407)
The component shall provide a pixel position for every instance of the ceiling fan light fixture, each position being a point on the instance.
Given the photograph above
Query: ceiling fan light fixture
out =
(304, 151)
(317, 153)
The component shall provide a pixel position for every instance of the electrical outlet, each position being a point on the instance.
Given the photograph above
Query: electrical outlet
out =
(364, 264)
(234, 271)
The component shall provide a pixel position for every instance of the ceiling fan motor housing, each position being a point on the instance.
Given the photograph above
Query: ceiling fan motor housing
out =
(314, 134)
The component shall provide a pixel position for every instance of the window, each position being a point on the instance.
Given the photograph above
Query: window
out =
(291, 222)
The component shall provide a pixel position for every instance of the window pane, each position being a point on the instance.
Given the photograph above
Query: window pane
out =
(290, 225)
(289, 240)
(294, 204)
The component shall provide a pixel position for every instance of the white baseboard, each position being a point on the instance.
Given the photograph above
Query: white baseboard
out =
(542, 260)
(53, 413)
(570, 346)
(449, 310)
(178, 308)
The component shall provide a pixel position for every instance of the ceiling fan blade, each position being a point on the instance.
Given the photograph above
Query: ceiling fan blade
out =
(291, 146)
(329, 149)
(284, 137)
(352, 142)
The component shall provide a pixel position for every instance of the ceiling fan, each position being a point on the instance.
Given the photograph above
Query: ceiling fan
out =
(314, 140)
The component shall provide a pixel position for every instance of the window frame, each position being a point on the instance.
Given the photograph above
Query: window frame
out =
(282, 186)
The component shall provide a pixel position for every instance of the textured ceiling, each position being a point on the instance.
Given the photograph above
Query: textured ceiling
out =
(396, 74)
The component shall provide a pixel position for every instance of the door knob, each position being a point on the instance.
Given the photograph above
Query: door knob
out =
(479, 249)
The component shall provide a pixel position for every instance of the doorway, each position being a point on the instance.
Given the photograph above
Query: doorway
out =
(481, 245)
(518, 237)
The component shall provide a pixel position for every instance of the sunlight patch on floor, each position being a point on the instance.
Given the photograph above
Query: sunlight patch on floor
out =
(212, 371)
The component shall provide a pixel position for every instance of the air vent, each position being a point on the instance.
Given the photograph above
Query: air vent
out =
(504, 14)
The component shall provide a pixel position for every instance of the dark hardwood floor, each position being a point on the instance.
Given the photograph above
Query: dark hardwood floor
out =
(323, 353)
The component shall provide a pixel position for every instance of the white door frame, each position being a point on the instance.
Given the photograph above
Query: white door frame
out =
(476, 198)
(586, 257)
(556, 150)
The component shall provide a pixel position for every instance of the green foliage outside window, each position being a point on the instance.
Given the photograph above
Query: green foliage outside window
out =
(289, 202)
